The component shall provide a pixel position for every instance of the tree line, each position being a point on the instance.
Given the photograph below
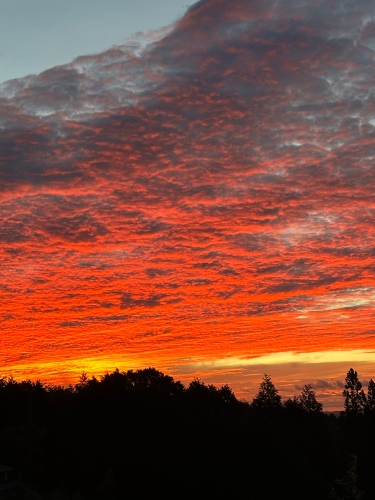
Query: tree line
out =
(355, 400)
(143, 431)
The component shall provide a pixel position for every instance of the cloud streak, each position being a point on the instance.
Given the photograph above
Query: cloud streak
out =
(215, 179)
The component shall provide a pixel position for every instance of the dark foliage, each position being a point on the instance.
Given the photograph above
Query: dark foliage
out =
(267, 397)
(140, 434)
(370, 400)
(355, 398)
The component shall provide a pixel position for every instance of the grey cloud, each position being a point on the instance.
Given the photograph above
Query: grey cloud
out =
(107, 305)
(128, 301)
(291, 285)
(199, 282)
(149, 333)
(108, 319)
(228, 272)
(207, 265)
(227, 294)
(328, 384)
(70, 324)
(153, 272)
(177, 300)
(154, 226)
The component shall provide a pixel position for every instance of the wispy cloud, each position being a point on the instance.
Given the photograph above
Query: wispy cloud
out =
(282, 358)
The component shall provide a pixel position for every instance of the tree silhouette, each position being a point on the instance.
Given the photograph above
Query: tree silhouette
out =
(267, 396)
(349, 485)
(227, 395)
(82, 382)
(292, 403)
(308, 401)
(371, 396)
(355, 399)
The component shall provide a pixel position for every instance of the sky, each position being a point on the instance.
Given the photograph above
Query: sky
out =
(39, 34)
(198, 198)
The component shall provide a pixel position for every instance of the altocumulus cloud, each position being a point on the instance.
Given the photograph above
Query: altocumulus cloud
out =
(233, 151)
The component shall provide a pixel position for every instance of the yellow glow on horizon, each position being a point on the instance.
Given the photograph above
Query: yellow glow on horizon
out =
(282, 358)
(68, 370)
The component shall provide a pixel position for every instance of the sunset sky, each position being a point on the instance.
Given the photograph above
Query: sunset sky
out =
(199, 198)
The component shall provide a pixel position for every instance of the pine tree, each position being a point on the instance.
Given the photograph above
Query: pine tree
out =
(355, 398)
(82, 382)
(371, 396)
(267, 396)
(308, 401)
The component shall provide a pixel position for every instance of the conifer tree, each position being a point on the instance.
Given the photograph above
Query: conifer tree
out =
(355, 398)
(308, 400)
(371, 396)
(267, 396)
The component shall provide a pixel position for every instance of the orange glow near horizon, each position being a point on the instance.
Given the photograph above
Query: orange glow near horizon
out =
(196, 202)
